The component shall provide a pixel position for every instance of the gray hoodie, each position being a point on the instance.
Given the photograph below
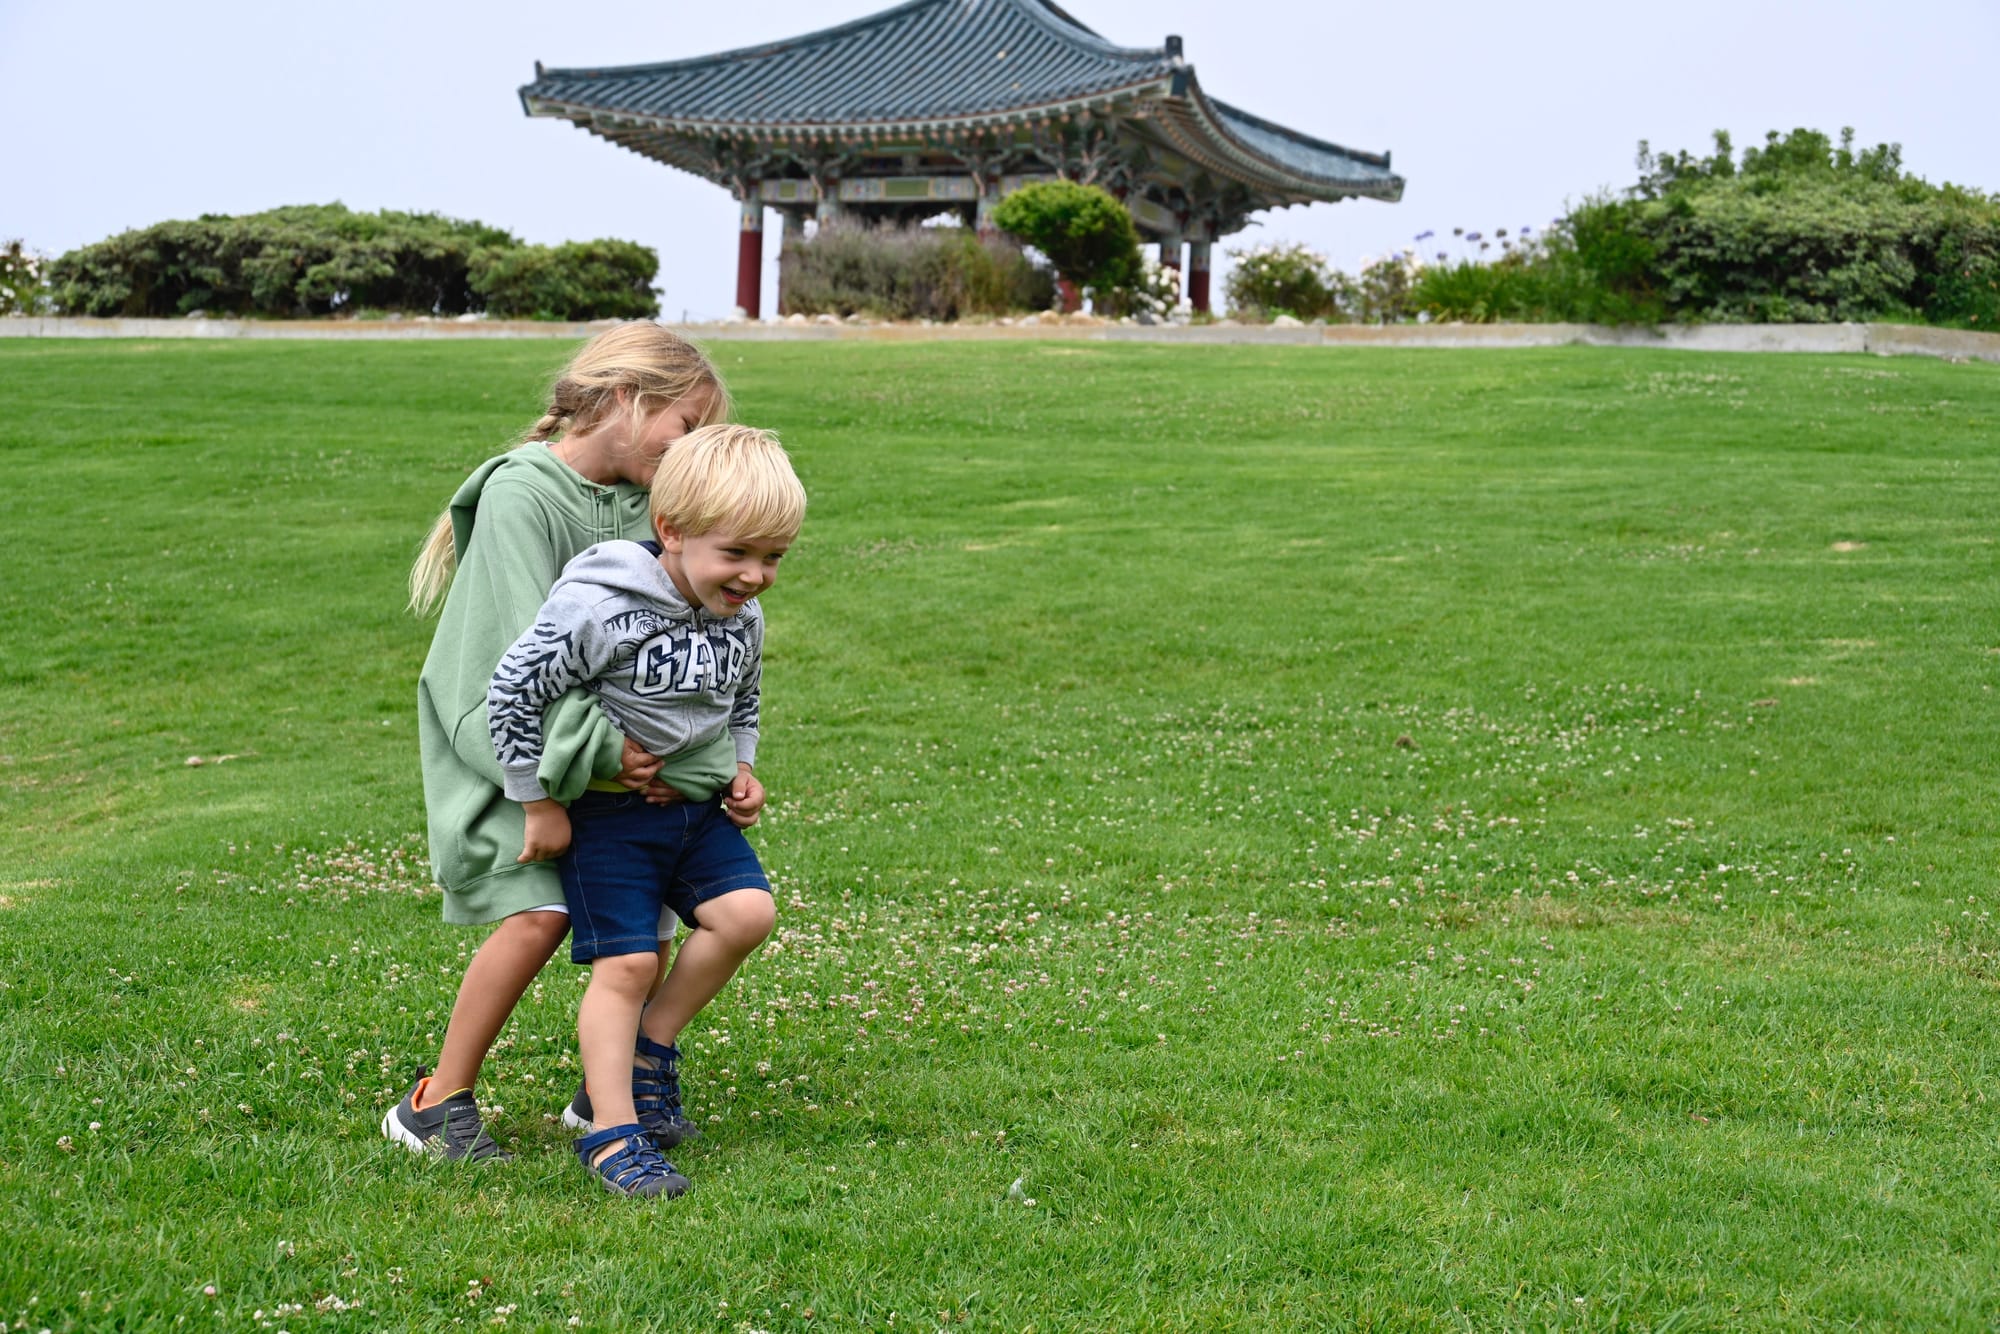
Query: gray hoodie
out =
(669, 675)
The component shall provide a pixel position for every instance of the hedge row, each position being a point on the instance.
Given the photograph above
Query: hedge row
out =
(320, 260)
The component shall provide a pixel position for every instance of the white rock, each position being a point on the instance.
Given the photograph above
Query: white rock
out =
(1287, 322)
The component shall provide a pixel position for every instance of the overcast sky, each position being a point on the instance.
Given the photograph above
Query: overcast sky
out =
(120, 114)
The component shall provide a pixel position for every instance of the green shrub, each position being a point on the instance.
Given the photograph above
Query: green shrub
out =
(1540, 278)
(578, 280)
(909, 273)
(1086, 233)
(309, 260)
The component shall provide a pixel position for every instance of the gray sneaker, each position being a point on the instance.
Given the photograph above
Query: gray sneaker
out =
(450, 1130)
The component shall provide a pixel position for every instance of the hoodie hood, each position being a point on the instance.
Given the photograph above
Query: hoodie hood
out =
(625, 570)
(536, 467)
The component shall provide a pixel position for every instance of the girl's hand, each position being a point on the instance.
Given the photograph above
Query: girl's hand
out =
(663, 794)
(745, 799)
(639, 768)
(639, 774)
(547, 835)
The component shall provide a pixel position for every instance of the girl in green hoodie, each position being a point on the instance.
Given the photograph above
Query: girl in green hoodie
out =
(581, 478)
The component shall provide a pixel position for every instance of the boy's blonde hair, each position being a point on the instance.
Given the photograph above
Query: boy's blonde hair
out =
(653, 365)
(730, 475)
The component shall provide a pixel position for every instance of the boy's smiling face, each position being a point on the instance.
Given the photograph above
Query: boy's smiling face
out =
(720, 570)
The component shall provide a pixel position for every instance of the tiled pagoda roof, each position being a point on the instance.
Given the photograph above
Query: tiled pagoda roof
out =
(931, 65)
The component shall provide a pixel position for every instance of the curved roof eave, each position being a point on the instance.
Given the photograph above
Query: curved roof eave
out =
(1225, 137)
(581, 112)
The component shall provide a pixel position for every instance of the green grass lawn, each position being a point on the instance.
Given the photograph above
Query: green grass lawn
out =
(1265, 839)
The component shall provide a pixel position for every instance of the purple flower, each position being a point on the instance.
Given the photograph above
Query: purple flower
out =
(1472, 236)
(1425, 235)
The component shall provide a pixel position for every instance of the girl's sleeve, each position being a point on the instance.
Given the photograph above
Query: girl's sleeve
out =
(516, 552)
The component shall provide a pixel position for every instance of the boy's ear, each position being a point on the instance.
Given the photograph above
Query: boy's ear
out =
(670, 536)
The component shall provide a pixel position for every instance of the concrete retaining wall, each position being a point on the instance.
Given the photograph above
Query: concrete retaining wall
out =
(1883, 339)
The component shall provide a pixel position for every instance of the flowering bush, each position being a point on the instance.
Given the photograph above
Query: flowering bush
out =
(1283, 278)
(1381, 293)
(24, 288)
(1154, 290)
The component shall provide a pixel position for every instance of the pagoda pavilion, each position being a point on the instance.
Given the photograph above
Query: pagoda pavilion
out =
(942, 106)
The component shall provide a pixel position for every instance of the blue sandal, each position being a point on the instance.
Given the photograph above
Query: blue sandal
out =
(656, 1094)
(656, 1097)
(635, 1169)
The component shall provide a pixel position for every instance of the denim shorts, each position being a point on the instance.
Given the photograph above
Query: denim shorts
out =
(627, 859)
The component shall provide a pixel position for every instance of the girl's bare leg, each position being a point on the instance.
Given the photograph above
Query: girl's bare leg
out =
(726, 929)
(494, 981)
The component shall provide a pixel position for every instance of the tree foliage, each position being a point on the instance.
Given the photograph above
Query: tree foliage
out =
(1084, 230)
(1801, 229)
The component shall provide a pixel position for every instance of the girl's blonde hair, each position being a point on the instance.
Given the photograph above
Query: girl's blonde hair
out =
(654, 366)
(733, 475)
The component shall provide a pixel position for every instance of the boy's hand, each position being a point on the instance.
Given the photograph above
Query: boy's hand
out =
(548, 831)
(745, 798)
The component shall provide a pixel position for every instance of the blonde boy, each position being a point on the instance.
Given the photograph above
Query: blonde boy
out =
(668, 634)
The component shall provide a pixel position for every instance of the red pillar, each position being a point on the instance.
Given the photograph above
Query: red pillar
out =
(989, 197)
(1197, 276)
(750, 260)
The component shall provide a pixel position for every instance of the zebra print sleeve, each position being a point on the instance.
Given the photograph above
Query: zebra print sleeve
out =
(554, 655)
(743, 713)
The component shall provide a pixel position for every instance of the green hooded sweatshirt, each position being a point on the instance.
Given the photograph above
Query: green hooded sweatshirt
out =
(515, 523)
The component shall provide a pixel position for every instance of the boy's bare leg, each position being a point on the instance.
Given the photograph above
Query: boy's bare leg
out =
(494, 981)
(725, 930)
(607, 1024)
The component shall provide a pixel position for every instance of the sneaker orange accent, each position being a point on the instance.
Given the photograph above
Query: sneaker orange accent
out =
(421, 1099)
